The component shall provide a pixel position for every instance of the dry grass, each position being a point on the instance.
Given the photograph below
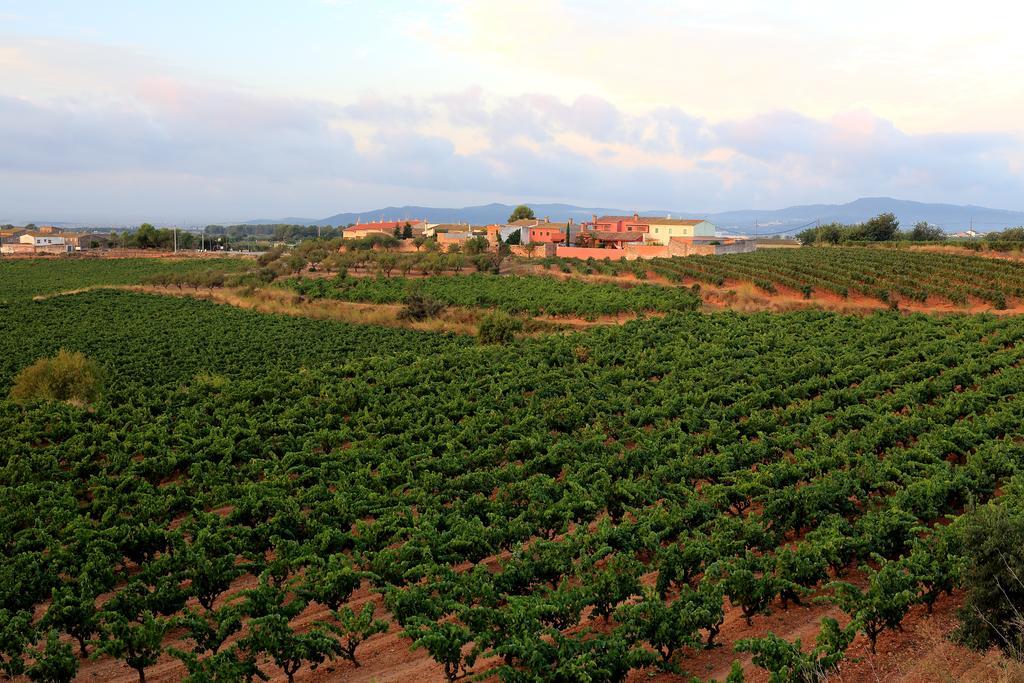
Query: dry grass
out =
(283, 302)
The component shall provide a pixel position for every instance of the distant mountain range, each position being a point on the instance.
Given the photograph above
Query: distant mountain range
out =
(950, 217)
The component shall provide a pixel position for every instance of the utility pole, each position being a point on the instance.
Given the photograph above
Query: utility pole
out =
(175, 239)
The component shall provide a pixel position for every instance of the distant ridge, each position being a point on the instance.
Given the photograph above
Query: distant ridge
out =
(950, 217)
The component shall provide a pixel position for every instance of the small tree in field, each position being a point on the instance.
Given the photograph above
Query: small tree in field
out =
(68, 376)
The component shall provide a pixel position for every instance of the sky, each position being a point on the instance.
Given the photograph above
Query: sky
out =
(228, 110)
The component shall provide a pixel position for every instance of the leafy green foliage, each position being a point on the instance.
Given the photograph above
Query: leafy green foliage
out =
(786, 662)
(498, 328)
(536, 295)
(273, 636)
(22, 279)
(888, 275)
(68, 376)
(55, 664)
(420, 307)
(521, 212)
(356, 627)
(499, 502)
(883, 604)
(993, 543)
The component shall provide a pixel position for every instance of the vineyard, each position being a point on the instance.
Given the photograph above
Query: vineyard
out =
(256, 493)
(23, 279)
(888, 275)
(534, 295)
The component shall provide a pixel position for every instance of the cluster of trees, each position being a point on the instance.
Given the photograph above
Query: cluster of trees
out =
(148, 237)
(274, 232)
(882, 228)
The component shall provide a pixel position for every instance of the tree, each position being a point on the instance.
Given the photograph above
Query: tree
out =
(515, 238)
(521, 212)
(881, 228)
(924, 232)
(476, 245)
(355, 627)
(69, 376)
(748, 585)
(935, 563)
(386, 263)
(407, 231)
(397, 232)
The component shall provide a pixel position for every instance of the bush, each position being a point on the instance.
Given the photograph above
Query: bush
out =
(498, 328)
(993, 542)
(420, 307)
(69, 376)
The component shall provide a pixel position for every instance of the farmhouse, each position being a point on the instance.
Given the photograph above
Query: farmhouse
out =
(361, 230)
(37, 243)
(663, 230)
(536, 231)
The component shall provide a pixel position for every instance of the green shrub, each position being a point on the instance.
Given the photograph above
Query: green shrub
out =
(420, 307)
(498, 327)
(69, 376)
(993, 542)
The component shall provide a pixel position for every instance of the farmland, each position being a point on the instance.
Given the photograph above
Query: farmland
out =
(256, 490)
(887, 275)
(528, 294)
(24, 278)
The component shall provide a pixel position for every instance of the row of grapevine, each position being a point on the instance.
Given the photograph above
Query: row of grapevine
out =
(23, 278)
(883, 274)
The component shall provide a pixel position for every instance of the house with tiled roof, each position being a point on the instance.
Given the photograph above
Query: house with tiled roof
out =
(664, 230)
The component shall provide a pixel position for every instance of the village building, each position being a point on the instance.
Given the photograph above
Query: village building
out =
(37, 243)
(361, 230)
(663, 230)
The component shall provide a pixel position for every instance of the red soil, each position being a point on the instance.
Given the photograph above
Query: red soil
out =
(921, 652)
